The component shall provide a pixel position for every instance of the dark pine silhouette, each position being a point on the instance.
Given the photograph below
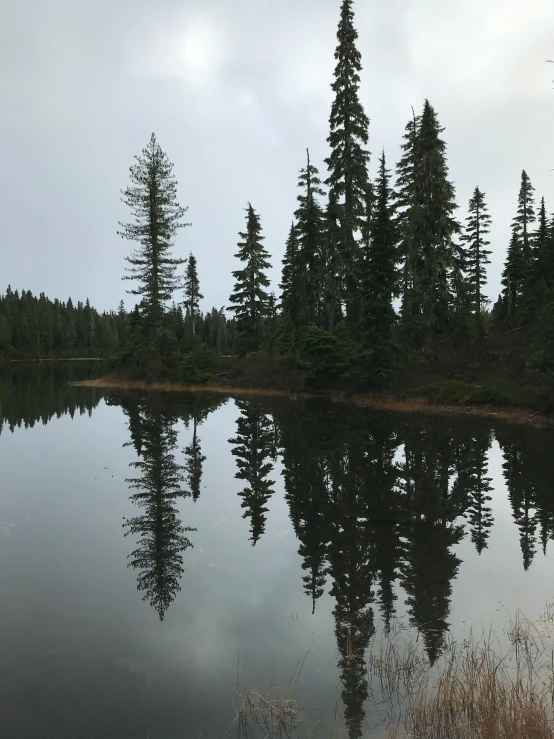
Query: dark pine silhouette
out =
(253, 448)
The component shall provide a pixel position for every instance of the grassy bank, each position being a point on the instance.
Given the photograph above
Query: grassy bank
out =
(482, 688)
(377, 401)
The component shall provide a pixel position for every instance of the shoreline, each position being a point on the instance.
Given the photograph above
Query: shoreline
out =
(56, 359)
(381, 402)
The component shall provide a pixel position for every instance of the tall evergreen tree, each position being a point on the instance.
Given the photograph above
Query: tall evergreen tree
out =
(152, 198)
(379, 278)
(477, 255)
(522, 225)
(513, 276)
(405, 194)
(432, 226)
(310, 230)
(192, 292)
(161, 535)
(250, 298)
(332, 261)
(347, 163)
(252, 448)
(288, 285)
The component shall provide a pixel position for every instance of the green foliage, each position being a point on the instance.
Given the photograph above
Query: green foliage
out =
(347, 163)
(34, 328)
(198, 364)
(250, 298)
(494, 391)
(310, 230)
(378, 284)
(324, 355)
(152, 198)
(252, 449)
(192, 293)
(475, 239)
(427, 228)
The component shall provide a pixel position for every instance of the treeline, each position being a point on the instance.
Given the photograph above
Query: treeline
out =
(34, 394)
(376, 274)
(33, 328)
(39, 328)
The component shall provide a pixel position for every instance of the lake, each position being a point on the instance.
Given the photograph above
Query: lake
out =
(161, 554)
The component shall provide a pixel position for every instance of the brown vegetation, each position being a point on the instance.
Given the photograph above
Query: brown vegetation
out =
(375, 400)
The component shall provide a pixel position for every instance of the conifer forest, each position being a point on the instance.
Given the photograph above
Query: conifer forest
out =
(384, 275)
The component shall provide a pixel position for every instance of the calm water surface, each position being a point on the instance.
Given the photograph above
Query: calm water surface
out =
(157, 552)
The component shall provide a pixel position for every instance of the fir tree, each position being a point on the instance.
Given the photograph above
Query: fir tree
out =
(152, 198)
(477, 254)
(252, 448)
(288, 285)
(310, 231)
(431, 228)
(161, 535)
(192, 292)
(194, 461)
(379, 279)
(250, 299)
(522, 225)
(405, 193)
(348, 161)
(513, 276)
(332, 284)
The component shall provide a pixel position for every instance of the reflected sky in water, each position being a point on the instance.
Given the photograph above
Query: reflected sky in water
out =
(154, 547)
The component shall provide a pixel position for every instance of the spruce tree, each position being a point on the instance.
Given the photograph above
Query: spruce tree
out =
(347, 163)
(379, 279)
(513, 276)
(252, 449)
(522, 224)
(152, 198)
(540, 266)
(192, 292)
(159, 532)
(332, 261)
(431, 228)
(405, 185)
(250, 299)
(310, 229)
(477, 254)
(288, 285)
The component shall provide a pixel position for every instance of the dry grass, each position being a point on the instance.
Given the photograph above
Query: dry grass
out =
(276, 713)
(422, 405)
(377, 402)
(475, 692)
(117, 383)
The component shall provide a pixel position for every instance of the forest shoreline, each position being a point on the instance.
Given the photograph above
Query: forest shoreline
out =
(376, 401)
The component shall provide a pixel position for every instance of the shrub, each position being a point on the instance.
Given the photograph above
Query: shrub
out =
(198, 364)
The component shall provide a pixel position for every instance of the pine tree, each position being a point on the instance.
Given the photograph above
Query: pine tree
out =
(348, 161)
(332, 282)
(160, 534)
(152, 198)
(431, 228)
(192, 292)
(379, 279)
(252, 448)
(522, 225)
(310, 230)
(513, 276)
(289, 293)
(251, 301)
(475, 239)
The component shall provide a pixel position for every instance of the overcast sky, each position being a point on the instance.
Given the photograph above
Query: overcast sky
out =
(235, 91)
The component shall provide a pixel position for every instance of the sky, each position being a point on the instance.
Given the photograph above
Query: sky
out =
(236, 90)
